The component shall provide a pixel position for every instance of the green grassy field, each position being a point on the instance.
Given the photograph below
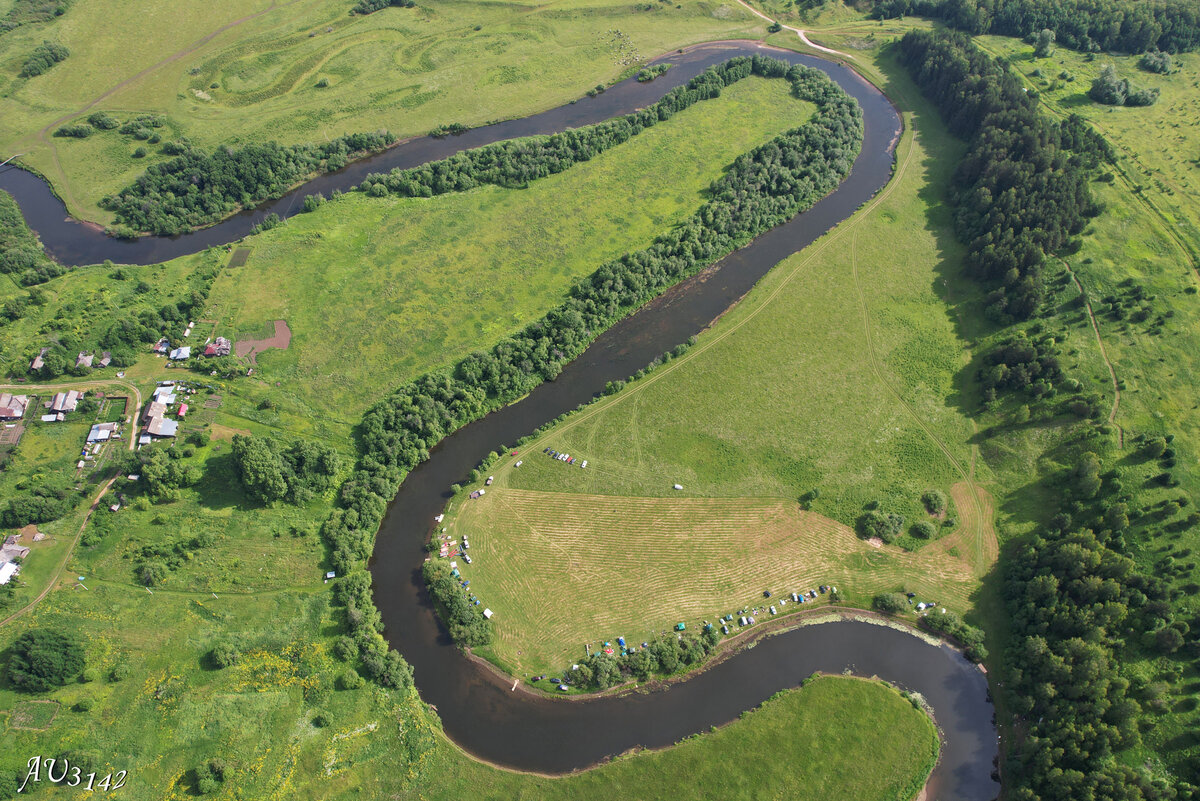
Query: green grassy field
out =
(377, 291)
(843, 372)
(173, 711)
(229, 72)
(585, 568)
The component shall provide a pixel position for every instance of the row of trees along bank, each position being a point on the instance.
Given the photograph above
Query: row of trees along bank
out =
(762, 189)
(1078, 607)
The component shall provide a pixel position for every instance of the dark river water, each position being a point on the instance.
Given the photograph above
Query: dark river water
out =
(478, 709)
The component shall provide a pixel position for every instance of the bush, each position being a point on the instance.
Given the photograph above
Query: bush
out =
(103, 121)
(85, 705)
(350, 680)
(890, 602)
(875, 523)
(224, 654)
(1157, 61)
(43, 57)
(41, 659)
(78, 131)
(935, 501)
(210, 776)
(923, 530)
(119, 672)
(321, 720)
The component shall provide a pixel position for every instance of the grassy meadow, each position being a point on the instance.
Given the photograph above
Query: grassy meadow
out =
(377, 291)
(230, 72)
(585, 568)
(837, 384)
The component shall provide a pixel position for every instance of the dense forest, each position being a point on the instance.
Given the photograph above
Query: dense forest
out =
(1128, 26)
(760, 190)
(1019, 194)
(197, 188)
(1077, 605)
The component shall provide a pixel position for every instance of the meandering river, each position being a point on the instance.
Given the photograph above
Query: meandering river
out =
(479, 709)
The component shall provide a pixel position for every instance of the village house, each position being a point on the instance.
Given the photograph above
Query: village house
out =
(106, 358)
(219, 347)
(180, 354)
(102, 432)
(154, 409)
(84, 360)
(66, 401)
(162, 427)
(38, 361)
(162, 346)
(12, 407)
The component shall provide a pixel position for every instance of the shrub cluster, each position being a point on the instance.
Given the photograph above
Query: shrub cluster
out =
(1018, 194)
(21, 253)
(41, 659)
(364, 642)
(463, 616)
(666, 655)
(1112, 90)
(364, 7)
(43, 57)
(23, 12)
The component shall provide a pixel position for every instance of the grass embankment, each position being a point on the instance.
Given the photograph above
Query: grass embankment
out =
(233, 72)
(842, 372)
(377, 291)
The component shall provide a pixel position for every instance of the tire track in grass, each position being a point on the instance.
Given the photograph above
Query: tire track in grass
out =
(1112, 373)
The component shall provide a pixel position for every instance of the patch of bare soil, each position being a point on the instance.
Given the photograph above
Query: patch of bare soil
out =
(250, 348)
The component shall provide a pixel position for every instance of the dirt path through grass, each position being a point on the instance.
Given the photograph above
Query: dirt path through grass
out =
(1112, 373)
(803, 37)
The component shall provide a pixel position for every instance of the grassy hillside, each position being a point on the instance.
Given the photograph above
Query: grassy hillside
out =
(377, 291)
(229, 72)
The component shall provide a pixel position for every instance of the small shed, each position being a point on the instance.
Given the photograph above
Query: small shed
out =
(487, 613)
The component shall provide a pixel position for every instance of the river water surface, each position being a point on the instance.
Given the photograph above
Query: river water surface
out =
(479, 710)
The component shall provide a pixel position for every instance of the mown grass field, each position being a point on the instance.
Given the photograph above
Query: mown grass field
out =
(561, 570)
(843, 372)
(377, 291)
(232, 72)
